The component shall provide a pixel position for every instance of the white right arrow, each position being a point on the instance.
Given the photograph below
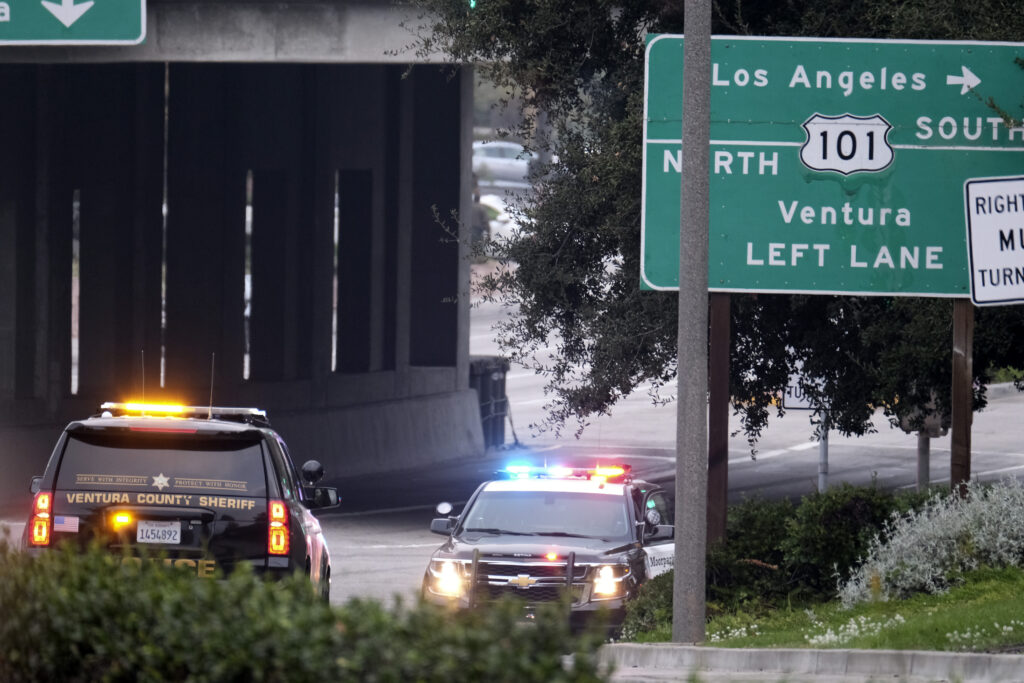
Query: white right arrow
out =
(67, 11)
(968, 80)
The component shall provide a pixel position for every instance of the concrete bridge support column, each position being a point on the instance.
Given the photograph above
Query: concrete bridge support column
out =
(117, 159)
(17, 242)
(86, 138)
(206, 195)
(434, 296)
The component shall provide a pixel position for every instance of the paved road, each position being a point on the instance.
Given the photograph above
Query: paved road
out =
(379, 555)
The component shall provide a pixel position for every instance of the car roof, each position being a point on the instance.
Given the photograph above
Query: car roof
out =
(556, 485)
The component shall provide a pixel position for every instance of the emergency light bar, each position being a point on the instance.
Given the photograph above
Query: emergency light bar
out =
(144, 408)
(248, 415)
(604, 472)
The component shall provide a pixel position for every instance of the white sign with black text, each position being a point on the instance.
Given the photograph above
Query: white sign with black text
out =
(995, 239)
(794, 398)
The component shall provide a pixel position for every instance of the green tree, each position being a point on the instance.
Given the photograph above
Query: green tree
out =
(572, 273)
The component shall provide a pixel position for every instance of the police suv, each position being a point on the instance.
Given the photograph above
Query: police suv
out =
(541, 533)
(201, 488)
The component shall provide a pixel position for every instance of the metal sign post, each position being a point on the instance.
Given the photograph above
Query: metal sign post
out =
(691, 227)
(794, 398)
(924, 451)
(823, 459)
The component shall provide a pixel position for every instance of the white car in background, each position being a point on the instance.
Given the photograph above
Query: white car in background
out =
(501, 163)
(502, 226)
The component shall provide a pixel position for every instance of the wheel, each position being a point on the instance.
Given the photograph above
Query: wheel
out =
(325, 584)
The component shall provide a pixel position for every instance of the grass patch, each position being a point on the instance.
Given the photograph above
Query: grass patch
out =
(984, 614)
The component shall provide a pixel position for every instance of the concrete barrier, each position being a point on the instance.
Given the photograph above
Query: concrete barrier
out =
(665, 661)
(391, 435)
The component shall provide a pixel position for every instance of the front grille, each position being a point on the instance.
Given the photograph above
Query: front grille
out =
(550, 570)
(533, 582)
(533, 594)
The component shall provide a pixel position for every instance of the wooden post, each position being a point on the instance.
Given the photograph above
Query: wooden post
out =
(963, 378)
(718, 417)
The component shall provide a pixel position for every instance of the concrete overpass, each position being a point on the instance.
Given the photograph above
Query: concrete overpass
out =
(141, 186)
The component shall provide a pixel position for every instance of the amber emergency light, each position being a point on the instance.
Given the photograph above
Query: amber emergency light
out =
(120, 520)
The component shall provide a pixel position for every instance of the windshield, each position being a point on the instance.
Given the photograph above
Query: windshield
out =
(591, 515)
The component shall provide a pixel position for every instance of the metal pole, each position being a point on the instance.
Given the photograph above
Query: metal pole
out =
(823, 463)
(924, 446)
(688, 605)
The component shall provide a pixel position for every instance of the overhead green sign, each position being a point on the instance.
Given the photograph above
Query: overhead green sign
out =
(837, 166)
(67, 22)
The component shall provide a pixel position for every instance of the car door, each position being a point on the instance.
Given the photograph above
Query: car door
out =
(660, 551)
(316, 554)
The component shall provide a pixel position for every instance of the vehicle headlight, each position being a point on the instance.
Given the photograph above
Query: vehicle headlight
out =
(447, 578)
(608, 581)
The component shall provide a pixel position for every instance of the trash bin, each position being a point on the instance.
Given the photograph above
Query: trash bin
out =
(487, 376)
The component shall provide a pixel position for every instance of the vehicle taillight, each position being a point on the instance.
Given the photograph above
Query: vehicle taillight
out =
(41, 518)
(278, 541)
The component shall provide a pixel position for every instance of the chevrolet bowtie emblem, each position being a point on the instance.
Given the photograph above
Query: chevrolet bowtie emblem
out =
(523, 581)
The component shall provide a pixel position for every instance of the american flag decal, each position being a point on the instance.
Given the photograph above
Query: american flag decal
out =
(65, 524)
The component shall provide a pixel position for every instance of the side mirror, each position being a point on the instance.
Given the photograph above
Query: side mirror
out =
(325, 497)
(34, 486)
(441, 525)
(312, 472)
(444, 508)
(660, 532)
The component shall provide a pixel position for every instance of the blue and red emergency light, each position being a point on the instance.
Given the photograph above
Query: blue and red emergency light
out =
(605, 472)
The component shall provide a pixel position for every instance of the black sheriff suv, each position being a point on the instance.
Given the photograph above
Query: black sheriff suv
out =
(540, 533)
(201, 488)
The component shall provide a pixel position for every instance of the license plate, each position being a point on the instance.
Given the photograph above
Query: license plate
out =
(158, 532)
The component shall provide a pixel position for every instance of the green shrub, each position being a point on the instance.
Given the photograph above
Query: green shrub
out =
(429, 643)
(651, 609)
(831, 532)
(87, 617)
(775, 554)
(932, 548)
(748, 570)
(1007, 374)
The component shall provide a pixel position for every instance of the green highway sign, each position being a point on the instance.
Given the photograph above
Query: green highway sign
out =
(837, 166)
(67, 22)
